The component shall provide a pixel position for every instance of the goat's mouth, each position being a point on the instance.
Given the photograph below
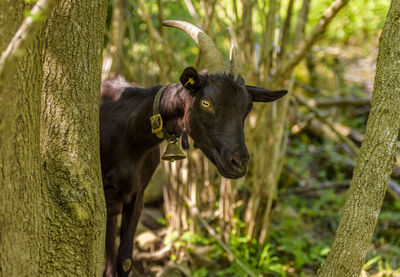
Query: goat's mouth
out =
(225, 168)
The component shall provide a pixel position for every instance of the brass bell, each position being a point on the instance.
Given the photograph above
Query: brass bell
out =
(173, 152)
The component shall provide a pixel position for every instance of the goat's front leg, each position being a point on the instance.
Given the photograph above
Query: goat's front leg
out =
(111, 234)
(130, 218)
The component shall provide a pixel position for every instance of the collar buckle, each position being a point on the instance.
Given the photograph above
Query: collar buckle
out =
(157, 125)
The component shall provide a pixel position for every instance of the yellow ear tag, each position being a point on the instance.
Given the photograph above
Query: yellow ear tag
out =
(191, 81)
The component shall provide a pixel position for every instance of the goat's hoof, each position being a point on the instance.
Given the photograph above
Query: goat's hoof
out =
(127, 264)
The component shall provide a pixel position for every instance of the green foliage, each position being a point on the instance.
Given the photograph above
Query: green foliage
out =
(297, 236)
(260, 258)
(358, 20)
(300, 237)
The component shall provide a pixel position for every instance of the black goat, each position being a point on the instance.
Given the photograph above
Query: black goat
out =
(211, 108)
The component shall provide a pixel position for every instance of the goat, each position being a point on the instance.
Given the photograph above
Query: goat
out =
(209, 107)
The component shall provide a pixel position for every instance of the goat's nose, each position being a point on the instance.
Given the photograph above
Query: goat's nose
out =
(238, 161)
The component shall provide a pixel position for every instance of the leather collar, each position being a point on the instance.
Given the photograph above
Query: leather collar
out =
(156, 121)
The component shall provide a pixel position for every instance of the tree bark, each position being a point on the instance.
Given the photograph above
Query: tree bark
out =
(20, 176)
(52, 210)
(375, 161)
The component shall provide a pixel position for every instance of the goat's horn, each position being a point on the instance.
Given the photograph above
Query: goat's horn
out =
(234, 55)
(212, 57)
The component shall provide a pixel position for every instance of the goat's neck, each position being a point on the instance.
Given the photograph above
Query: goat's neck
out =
(174, 108)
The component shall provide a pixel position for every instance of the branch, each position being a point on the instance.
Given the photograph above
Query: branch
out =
(342, 101)
(286, 30)
(24, 35)
(193, 13)
(334, 101)
(311, 105)
(323, 186)
(319, 115)
(304, 47)
(268, 39)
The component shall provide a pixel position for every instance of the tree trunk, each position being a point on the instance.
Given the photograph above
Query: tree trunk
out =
(375, 161)
(52, 210)
(20, 178)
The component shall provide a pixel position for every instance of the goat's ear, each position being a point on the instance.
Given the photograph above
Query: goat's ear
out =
(190, 79)
(265, 95)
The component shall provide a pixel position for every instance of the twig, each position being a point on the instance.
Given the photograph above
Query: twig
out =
(24, 35)
(211, 231)
(307, 87)
(304, 47)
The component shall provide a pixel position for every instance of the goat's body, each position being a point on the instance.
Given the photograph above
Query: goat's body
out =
(129, 157)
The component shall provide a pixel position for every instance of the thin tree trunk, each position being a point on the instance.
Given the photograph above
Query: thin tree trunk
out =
(247, 34)
(268, 40)
(286, 31)
(118, 28)
(375, 161)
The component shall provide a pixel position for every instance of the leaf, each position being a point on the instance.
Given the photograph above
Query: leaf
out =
(371, 262)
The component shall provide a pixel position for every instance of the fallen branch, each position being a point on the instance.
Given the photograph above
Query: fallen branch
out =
(24, 35)
(334, 127)
(347, 162)
(158, 255)
(319, 115)
(334, 101)
(323, 186)
(342, 101)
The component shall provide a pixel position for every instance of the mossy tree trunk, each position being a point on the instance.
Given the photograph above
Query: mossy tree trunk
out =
(52, 210)
(20, 175)
(375, 161)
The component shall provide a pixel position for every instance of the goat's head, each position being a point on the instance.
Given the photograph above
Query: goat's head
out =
(221, 104)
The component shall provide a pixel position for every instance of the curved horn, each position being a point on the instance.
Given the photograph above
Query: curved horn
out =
(234, 55)
(212, 57)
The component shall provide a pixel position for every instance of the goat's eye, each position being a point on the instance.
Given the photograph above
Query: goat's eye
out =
(205, 103)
